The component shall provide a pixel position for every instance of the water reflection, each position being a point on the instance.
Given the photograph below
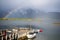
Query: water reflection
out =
(31, 39)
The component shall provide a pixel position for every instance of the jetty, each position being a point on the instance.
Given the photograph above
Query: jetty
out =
(14, 34)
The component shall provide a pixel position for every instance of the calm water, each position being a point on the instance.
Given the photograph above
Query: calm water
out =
(43, 36)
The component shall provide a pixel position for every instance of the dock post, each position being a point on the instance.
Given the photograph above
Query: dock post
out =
(2, 38)
(6, 37)
(10, 37)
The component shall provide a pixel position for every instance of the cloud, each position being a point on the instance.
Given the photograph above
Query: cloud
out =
(46, 5)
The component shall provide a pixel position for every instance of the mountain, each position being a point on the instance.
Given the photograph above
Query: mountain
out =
(53, 15)
(25, 13)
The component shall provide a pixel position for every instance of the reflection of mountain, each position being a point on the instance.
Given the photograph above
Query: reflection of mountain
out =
(25, 13)
(17, 26)
(5, 27)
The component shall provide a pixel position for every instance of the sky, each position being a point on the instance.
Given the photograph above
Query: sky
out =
(7, 6)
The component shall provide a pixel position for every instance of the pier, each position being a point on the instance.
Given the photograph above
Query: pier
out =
(14, 34)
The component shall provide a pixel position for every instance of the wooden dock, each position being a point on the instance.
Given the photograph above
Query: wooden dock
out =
(21, 33)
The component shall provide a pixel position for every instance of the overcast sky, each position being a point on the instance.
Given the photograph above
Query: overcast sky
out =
(44, 5)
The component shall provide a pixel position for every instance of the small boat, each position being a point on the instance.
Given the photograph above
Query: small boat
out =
(36, 31)
(31, 35)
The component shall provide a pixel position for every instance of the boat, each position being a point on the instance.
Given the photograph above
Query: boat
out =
(31, 35)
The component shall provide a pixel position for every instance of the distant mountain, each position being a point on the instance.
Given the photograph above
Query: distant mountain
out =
(54, 15)
(25, 13)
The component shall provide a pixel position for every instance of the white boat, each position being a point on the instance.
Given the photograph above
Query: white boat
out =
(31, 35)
(36, 31)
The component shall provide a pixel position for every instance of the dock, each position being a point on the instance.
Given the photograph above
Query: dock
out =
(20, 34)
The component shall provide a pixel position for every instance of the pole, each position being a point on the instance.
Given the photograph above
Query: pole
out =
(2, 37)
(6, 37)
(10, 36)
